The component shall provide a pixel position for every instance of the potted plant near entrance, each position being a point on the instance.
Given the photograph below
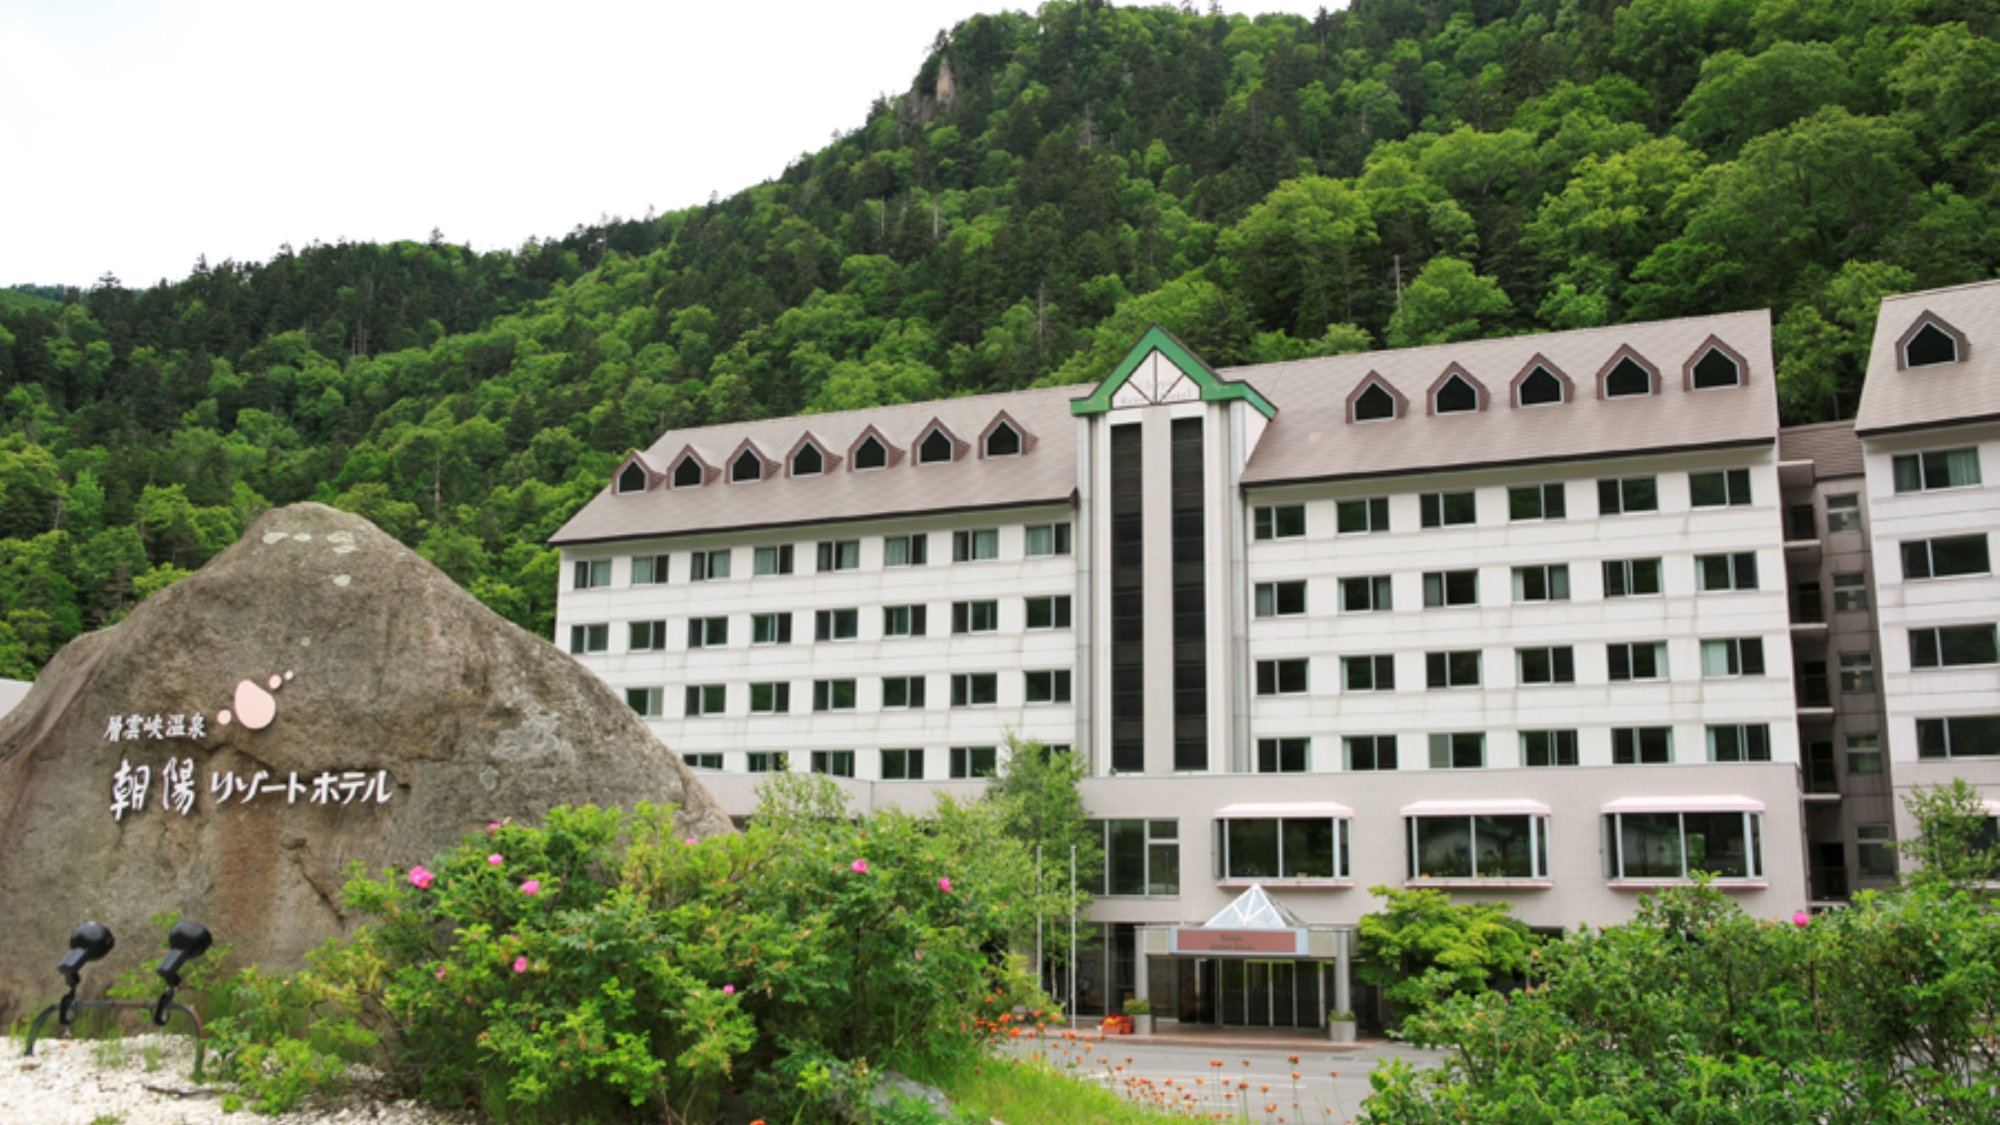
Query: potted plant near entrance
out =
(1141, 1014)
(1340, 1027)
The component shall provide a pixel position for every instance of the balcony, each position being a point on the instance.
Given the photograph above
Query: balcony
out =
(1822, 780)
(1808, 606)
(1815, 692)
(1829, 884)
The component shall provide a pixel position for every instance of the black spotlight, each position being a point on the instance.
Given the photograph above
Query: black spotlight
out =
(185, 942)
(88, 942)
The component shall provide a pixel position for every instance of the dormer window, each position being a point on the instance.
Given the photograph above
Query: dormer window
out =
(1931, 344)
(687, 472)
(632, 478)
(936, 448)
(808, 461)
(1627, 378)
(1541, 388)
(747, 467)
(1456, 396)
(1374, 404)
(1716, 369)
(1004, 441)
(871, 453)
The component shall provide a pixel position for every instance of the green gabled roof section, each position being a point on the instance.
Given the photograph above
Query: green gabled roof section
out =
(1214, 388)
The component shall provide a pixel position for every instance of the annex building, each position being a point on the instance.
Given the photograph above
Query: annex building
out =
(1551, 619)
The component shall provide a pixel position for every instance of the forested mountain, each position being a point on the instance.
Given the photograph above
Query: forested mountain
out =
(1402, 172)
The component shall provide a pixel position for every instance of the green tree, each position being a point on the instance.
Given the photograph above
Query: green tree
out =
(1421, 947)
(1446, 302)
(1038, 804)
(1954, 847)
(1296, 255)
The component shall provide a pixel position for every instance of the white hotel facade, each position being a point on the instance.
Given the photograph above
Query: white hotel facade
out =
(1529, 620)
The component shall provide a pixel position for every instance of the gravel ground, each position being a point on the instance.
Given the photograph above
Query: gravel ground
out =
(143, 1080)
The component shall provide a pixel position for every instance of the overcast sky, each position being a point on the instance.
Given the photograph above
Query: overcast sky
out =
(138, 134)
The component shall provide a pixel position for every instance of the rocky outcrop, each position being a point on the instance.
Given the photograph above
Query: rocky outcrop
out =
(317, 695)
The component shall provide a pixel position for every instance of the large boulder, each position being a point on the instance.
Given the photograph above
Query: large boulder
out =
(315, 696)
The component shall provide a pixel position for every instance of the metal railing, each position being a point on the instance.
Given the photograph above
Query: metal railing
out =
(1814, 691)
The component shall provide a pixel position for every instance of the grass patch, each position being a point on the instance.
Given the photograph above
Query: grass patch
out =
(1030, 1093)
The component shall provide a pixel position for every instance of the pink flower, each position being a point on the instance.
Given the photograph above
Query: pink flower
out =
(494, 859)
(729, 990)
(944, 883)
(439, 974)
(1801, 918)
(420, 878)
(532, 886)
(690, 841)
(520, 964)
(492, 826)
(859, 867)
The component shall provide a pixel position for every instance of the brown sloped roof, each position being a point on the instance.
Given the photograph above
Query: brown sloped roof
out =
(1830, 446)
(1942, 394)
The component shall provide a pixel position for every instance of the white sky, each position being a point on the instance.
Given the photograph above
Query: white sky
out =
(138, 134)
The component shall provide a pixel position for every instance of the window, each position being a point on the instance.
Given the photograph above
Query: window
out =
(839, 554)
(1459, 751)
(1850, 592)
(687, 473)
(1966, 736)
(1050, 612)
(1280, 521)
(1368, 673)
(902, 765)
(632, 478)
(833, 695)
(1371, 752)
(904, 550)
(1288, 848)
(1553, 665)
(1875, 850)
(1725, 489)
(1282, 755)
(646, 636)
(1045, 539)
(1864, 755)
(836, 624)
(771, 629)
(1742, 742)
(833, 763)
(1537, 502)
(747, 467)
(1457, 396)
(767, 762)
(703, 761)
(708, 632)
(644, 700)
(808, 461)
(1945, 558)
(1726, 572)
(1628, 494)
(1361, 517)
(903, 620)
(1628, 378)
(589, 638)
(1929, 472)
(1548, 748)
(975, 617)
(1641, 660)
(705, 699)
(935, 448)
(1735, 656)
(1048, 687)
(1281, 599)
(1366, 595)
(649, 570)
(871, 453)
(1930, 345)
(1540, 388)
(706, 565)
(1716, 369)
(1857, 672)
(1444, 588)
(1642, 746)
(1281, 677)
(1479, 847)
(1679, 845)
(770, 699)
(1004, 441)
(1452, 669)
(1448, 509)
(592, 574)
(902, 692)
(1374, 404)
(1950, 646)
(973, 761)
(1631, 578)
(1843, 512)
(1141, 857)
(1546, 583)
(975, 546)
(975, 689)
(773, 560)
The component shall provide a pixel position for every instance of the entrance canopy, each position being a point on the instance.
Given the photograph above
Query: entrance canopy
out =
(1255, 925)
(1255, 910)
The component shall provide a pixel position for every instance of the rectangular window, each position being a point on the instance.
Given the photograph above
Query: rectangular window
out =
(1452, 669)
(839, 554)
(1642, 746)
(1281, 599)
(1949, 646)
(771, 629)
(1444, 588)
(708, 632)
(1726, 572)
(1371, 752)
(1864, 755)
(1732, 656)
(644, 700)
(1546, 583)
(1048, 687)
(1366, 595)
(903, 620)
(1725, 489)
(1639, 660)
(1929, 472)
(1875, 850)
(902, 765)
(975, 689)
(1965, 736)
(1282, 755)
(1742, 742)
(649, 570)
(1536, 502)
(1448, 509)
(1461, 751)
(1046, 539)
(705, 699)
(902, 692)
(703, 761)
(772, 560)
(975, 617)
(646, 636)
(1050, 612)
(833, 763)
(1843, 512)
(1945, 558)
(1631, 578)
(975, 546)
(1141, 857)
(1857, 672)
(904, 550)
(704, 566)
(833, 695)
(1548, 748)
(1850, 592)
(973, 761)
(1553, 665)
(1291, 848)
(1629, 494)
(1726, 845)
(1368, 673)
(584, 639)
(1362, 517)
(768, 762)
(836, 624)
(770, 699)
(1281, 677)
(592, 574)
(1479, 847)
(1280, 521)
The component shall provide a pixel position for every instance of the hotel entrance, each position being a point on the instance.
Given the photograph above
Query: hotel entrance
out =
(1253, 993)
